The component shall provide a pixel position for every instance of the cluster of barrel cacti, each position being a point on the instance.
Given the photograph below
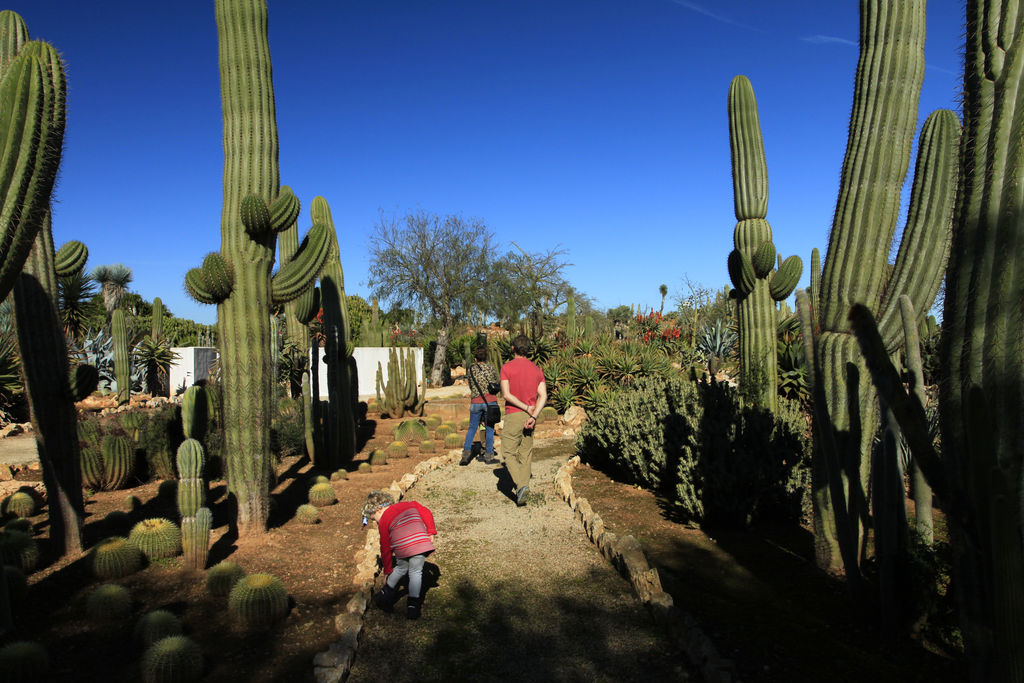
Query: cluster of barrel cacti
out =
(398, 395)
(111, 465)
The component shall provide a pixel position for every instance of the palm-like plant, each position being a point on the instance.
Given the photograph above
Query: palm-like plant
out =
(113, 281)
(75, 293)
(663, 290)
(155, 356)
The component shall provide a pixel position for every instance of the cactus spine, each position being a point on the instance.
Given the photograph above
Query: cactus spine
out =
(856, 268)
(752, 262)
(32, 131)
(238, 279)
(340, 425)
(122, 362)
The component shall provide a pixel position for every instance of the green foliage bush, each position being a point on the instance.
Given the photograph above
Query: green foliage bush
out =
(717, 464)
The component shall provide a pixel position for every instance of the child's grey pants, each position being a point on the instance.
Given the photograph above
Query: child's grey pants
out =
(413, 566)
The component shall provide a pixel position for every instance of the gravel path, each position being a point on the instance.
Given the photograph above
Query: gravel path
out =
(515, 593)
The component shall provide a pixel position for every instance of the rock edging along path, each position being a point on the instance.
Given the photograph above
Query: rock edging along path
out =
(512, 592)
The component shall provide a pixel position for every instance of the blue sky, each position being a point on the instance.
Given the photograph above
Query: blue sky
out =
(597, 126)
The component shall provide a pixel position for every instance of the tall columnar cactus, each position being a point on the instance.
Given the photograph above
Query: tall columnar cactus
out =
(372, 332)
(32, 121)
(157, 330)
(983, 344)
(339, 421)
(298, 314)
(752, 268)
(570, 319)
(238, 278)
(122, 361)
(857, 269)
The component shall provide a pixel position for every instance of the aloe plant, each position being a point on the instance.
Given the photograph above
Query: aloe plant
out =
(239, 279)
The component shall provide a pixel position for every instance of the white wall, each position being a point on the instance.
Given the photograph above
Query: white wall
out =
(192, 365)
(367, 358)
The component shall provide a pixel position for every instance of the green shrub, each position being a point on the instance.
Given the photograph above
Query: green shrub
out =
(174, 659)
(692, 443)
(23, 660)
(156, 537)
(20, 504)
(156, 625)
(222, 577)
(258, 600)
(307, 514)
(115, 558)
(109, 602)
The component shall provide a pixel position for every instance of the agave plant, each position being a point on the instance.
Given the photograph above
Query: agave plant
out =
(595, 398)
(583, 374)
(562, 397)
(716, 341)
(652, 362)
(98, 351)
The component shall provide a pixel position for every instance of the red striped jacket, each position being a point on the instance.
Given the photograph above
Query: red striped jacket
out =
(405, 530)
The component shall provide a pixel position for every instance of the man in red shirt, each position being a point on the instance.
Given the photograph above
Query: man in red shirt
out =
(522, 384)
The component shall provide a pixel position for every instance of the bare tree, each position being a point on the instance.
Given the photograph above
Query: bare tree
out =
(536, 281)
(440, 264)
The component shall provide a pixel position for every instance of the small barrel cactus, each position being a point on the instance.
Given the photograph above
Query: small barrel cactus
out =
(321, 479)
(132, 423)
(23, 660)
(115, 558)
(397, 449)
(364, 468)
(19, 524)
(109, 602)
(411, 430)
(451, 425)
(442, 431)
(463, 424)
(432, 421)
(90, 433)
(174, 659)
(20, 504)
(222, 577)
(91, 460)
(157, 538)
(321, 495)
(453, 440)
(548, 413)
(156, 625)
(258, 600)
(426, 446)
(307, 514)
(19, 549)
(379, 456)
(339, 475)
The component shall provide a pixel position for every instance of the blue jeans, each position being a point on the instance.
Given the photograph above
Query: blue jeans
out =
(477, 413)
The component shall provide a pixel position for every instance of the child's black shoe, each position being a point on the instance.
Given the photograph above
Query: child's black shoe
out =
(385, 598)
(413, 607)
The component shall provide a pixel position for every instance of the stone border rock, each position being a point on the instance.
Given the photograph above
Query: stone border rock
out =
(627, 555)
(333, 664)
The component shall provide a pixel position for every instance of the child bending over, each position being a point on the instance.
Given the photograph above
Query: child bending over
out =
(405, 531)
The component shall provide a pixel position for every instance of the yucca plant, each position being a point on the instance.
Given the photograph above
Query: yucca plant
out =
(583, 374)
(155, 357)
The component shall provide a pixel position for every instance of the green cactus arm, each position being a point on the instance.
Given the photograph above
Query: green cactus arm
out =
(211, 283)
(749, 167)
(741, 272)
(13, 35)
(298, 275)
(909, 410)
(30, 146)
(763, 259)
(70, 258)
(157, 328)
(785, 279)
(815, 287)
(889, 75)
(82, 381)
(284, 210)
(924, 249)
(307, 305)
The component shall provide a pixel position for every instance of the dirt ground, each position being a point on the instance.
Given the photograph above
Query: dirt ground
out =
(514, 593)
